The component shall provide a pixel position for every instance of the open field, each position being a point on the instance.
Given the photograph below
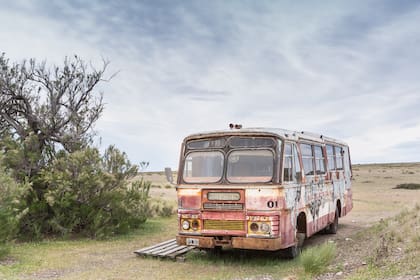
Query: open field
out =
(377, 240)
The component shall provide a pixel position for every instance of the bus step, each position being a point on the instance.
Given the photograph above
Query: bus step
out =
(168, 249)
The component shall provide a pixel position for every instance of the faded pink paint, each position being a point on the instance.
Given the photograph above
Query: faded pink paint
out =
(190, 201)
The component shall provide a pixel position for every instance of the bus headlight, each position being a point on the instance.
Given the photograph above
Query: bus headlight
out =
(265, 227)
(254, 227)
(195, 224)
(260, 226)
(185, 225)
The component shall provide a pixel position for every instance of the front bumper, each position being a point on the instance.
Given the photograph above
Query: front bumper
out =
(267, 244)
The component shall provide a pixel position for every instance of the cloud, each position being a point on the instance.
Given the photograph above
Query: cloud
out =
(347, 70)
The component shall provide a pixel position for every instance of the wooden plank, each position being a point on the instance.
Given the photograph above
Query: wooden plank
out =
(167, 252)
(183, 251)
(154, 246)
(158, 248)
(162, 249)
(168, 249)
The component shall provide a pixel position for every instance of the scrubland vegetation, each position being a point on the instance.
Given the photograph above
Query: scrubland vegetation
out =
(378, 240)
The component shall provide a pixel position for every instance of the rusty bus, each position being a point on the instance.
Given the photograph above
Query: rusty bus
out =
(261, 189)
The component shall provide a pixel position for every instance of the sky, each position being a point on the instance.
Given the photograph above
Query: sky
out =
(346, 69)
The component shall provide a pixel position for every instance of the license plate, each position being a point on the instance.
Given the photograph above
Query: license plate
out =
(192, 242)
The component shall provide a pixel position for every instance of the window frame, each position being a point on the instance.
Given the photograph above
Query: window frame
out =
(275, 148)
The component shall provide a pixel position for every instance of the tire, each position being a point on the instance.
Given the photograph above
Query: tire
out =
(291, 252)
(333, 228)
(294, 251)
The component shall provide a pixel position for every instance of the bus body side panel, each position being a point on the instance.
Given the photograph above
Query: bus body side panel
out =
(319, 206)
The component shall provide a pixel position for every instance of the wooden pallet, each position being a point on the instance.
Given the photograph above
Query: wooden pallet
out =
(168, 249)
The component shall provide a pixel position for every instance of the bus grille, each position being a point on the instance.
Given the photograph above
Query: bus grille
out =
(223, 206)
(223, 225)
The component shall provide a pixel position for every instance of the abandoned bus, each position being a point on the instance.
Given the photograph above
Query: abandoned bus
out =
(261, 189)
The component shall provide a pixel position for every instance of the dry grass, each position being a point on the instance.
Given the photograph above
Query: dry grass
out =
(388, 249)
(317, 258)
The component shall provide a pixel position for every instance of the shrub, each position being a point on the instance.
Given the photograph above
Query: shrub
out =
(9, 201)
(167, 210)
(88, 194)
(161, 208)
(316, 259)
(408, 186)
(75, 193)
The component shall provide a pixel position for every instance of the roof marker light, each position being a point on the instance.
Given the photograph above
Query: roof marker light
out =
(235, 126)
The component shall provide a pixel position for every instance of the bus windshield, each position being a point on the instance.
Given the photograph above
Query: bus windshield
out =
(243, 166)
(230, 159)
(203, 167)
(250, 166)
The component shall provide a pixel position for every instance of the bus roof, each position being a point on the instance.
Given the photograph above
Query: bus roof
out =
(261, 131)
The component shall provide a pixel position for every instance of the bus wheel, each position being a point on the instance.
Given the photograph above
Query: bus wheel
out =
(294, 251)
(332, 228)
(291, 252)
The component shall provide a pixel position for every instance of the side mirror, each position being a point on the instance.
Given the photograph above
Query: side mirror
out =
(168, 173)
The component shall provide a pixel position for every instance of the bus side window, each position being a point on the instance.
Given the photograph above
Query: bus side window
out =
(339, 157)
(330, 158)
(307, 159)
(319, 160)
(298, 169)
(288, 163)
(347, 163)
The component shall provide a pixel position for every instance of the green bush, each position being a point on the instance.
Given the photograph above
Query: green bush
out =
(88, 194)
(161, 208)
(74, 193)
(408, 186)
(10, 192)
(167, 210)
(316, 259)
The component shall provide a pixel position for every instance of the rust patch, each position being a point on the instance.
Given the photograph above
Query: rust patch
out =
(269, 244)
